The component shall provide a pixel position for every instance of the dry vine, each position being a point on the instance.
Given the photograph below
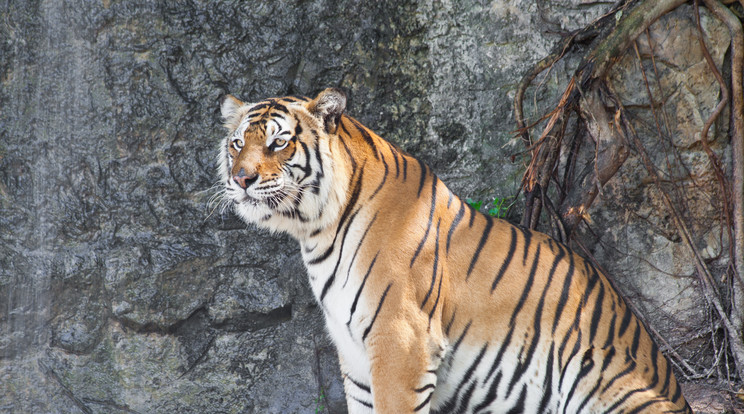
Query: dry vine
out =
(590, 112)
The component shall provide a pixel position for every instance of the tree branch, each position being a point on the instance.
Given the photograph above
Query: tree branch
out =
(737, 143)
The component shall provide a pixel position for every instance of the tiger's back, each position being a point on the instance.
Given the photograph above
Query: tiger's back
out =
(433, 306)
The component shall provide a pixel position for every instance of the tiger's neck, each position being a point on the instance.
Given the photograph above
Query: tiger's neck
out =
(374, 174)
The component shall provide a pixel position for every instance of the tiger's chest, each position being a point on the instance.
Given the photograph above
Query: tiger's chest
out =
(339, 290)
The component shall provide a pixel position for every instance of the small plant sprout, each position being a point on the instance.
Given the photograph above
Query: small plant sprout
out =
(498, 207)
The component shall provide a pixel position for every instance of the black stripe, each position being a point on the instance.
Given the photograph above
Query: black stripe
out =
(424, 388)
(565, 292)
(527, 287)
(365, 134)
(519, 406)
(611, 331)
(627, 316)
(636, 340)
(586, 366)
(260, 106)
(436, 302)
(678, 394)
(507, 261)
(377, 311)
(346, 147)
(384, 178)
(564, 368)
(490, 396)
(466, 397)
(609, 356)
(522, 365)
(597, 314)
(359, 245)
(500, 353)
(655, 364)
(548, 383)
(434, 271)
(667, 377)
(279, 107)
(307, 169)
(395, 157)
(460, 338)
(405, 168)
(627, 395)
(481, 243)
(431, 219)
(472, 212)
(423, 168)
(361, 287)
(364, 403)
(641, 407)
(449, 324)
(593, 280)
(426, 401)
(455, 222)
(527, 237)
(279, 115)
(537, 323)
(360, 385)
(352, 202)
(332, 277)
(631, 367)
(575, 325)
(291, 156)
(321, 172)
(451, 405)
(589, 396)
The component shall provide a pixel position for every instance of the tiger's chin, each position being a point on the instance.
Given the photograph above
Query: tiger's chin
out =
(278, 209)
(246, 199)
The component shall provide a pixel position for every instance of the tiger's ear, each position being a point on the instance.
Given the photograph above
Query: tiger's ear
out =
(328, 106)
(229, 107)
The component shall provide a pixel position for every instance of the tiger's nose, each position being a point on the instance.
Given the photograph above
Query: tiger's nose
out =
(245, 180)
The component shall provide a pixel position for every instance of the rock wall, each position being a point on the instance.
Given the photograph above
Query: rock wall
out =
(122, 290)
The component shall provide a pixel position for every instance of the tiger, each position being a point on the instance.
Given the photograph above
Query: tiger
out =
(433, 306)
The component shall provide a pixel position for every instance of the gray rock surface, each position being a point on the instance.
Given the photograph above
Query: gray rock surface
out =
(122, 290)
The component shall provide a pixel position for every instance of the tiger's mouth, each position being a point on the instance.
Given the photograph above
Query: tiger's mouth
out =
(278, 197)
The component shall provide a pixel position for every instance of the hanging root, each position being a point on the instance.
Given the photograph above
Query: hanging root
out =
(590, 112)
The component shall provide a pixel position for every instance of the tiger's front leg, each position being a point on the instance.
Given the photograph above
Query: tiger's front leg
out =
(403, 367)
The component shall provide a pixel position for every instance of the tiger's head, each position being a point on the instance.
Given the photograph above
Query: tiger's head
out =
(276, 162)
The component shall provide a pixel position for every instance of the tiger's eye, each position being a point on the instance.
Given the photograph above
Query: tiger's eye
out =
(237, 144)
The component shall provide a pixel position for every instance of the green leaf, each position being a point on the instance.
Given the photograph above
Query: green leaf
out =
(475, 204)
